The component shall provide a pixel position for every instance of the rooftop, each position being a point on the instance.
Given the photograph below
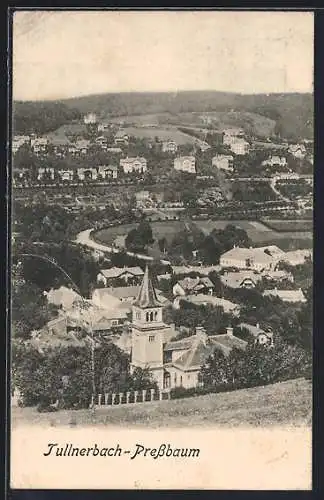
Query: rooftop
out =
(115, 272)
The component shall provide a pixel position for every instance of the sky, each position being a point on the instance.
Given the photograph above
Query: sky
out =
(63, 54)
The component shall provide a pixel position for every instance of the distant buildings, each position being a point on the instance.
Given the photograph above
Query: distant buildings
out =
(121, 138)
(275, 161)
(185, 164)
(297, 150)
(169, 147)
(39, 145)
(129, 165)
(90, 118)
(231, 135)
(223, 162)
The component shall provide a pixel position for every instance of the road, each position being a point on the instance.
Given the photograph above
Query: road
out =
(84, 238)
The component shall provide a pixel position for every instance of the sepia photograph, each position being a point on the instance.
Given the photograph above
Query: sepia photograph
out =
(162, 170)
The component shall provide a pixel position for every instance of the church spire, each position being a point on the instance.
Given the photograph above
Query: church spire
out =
(147, 295)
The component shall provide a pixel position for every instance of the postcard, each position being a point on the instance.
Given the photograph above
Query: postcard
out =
(161, 242)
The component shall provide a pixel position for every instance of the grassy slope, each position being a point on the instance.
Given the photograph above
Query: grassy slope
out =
(296, 110)
(285, 403)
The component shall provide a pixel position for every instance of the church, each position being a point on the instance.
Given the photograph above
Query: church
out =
(174, 363)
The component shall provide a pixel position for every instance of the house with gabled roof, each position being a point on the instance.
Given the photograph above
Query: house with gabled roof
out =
(130, 275)
(193, 286)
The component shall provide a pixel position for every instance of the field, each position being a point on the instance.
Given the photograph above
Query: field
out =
(163, 133)
(258, 232)
(285, 403)
(289, 225)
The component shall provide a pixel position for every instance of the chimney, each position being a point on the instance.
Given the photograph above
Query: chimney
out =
(201, 333)
(229, 331)
(258, 325)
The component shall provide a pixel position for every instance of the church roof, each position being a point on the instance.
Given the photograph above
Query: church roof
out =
(147, 295)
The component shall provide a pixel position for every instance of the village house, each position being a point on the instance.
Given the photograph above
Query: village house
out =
(231, 135)
(223, 162)
(297, 257)
(39, 145)
(258, 259)
(169, 147)
(108, 171)
(66, 174)
(204, 300)
(197, 270)
(129, 165)
(260, 335)
(277, 276)
(82, 146)
(114, 150)
(297, 150)
(90, 118)
(121, 138)
(275, 161)
(102, 142)
(129, 275)
(62, 297)
(193, 286)
(240, 147)
(44, 173)
(87, 173)
(286, 295)
(103, 127)
(18, 141)
(185, 164)
(171, 363)
(241, 279)
(104, 297)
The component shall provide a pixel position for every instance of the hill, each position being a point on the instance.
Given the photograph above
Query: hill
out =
(284, 403)
(292, 113)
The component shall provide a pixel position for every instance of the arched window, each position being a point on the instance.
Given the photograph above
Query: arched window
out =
(147, 316)
(151, 316)
(181, 380)
(155, 315)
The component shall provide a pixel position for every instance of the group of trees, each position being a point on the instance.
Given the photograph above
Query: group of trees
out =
(41, 117)
(256, 365)
(65, 374)
(207, 248)
(140, 237)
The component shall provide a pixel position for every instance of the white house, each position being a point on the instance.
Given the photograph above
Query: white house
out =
(223, 162)
(240, 147)
(231, 135)
(39, 145)
(258, 259)
(275, 161)
(169, 147)
(90, 118)
(129, 165)
(45, 173)
(185, 164)
(286, 295)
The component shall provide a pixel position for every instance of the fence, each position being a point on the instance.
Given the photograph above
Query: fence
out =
(131, 397)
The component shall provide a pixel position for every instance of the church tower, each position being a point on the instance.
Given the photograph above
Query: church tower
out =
(149, 332)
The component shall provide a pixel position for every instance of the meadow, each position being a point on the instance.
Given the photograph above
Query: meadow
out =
(286, 403)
